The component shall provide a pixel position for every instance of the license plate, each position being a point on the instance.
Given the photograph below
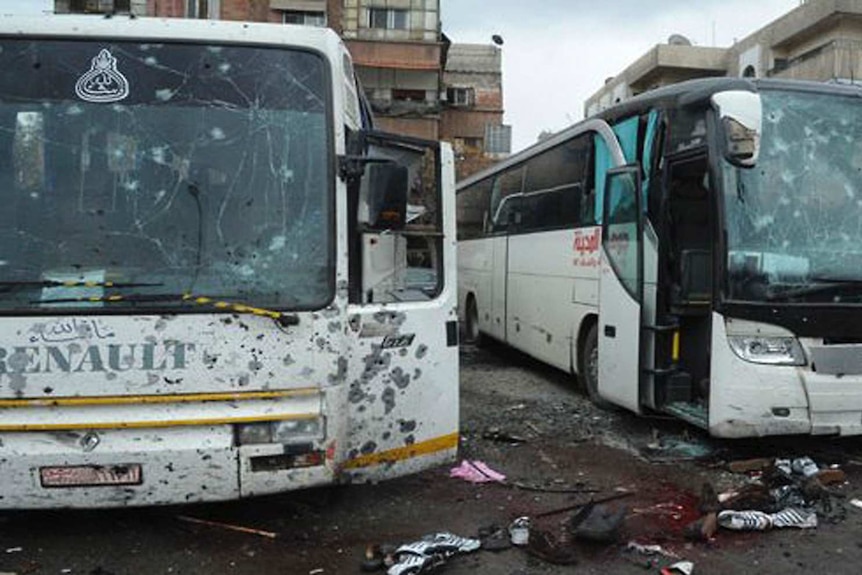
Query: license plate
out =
(90, 475)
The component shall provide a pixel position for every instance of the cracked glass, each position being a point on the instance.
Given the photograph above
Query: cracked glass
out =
(794, 221)
(132, 174)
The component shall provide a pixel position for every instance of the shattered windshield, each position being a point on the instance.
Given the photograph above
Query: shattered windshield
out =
(794, 221)
(132, 174)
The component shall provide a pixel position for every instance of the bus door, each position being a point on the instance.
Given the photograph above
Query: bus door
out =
(505, 196)
(621, 289)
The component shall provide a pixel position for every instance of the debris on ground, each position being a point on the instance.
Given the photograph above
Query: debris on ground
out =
(598, 523)
(650, 550)
(420, 556)
(519, 531)
(494, 538)
(783, 493)
(684, 567)
(476, 472)
(673, 449)
(498, 435)
(228, 526)
(554, 549)
(649, 556)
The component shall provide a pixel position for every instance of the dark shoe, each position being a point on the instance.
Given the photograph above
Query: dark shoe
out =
(548, 548)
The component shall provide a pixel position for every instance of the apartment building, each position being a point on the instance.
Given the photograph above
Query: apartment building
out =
(820, 40)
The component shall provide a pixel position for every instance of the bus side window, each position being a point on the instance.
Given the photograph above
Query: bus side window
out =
(506, 185)
(554, 186)
(474, 217)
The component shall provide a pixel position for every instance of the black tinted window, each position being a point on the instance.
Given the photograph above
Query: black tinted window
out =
(555, 185)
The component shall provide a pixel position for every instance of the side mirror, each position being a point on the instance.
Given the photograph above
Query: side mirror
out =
(387, 186)
(740, 114)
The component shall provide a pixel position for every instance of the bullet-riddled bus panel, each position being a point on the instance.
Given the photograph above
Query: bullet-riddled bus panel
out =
(403, 369)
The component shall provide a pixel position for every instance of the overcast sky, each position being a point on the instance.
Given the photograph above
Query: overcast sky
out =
(557, 53)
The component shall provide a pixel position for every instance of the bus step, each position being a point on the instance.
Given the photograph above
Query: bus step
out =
(690, 412)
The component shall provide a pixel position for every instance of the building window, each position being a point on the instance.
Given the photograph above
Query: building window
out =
(197, 8)
(460, 96)
(304, 18)
(99, 6)
(408, 95)
(387, 18)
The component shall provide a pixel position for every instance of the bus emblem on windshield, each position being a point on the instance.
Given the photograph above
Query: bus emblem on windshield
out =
(103, 83)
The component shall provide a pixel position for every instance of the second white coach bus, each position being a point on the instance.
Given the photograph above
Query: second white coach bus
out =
(695, 251)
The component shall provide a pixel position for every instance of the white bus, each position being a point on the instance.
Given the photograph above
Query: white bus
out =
(695, 251)
(216, 280)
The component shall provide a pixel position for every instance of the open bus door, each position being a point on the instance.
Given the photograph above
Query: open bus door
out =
(621, 289)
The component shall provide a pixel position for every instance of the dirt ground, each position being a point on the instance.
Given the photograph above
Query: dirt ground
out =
(522, 419)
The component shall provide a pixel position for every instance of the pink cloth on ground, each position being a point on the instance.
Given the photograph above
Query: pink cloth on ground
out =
(476, 472)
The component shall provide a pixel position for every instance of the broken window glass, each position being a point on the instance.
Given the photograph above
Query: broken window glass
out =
(794, 221)
(173, 168)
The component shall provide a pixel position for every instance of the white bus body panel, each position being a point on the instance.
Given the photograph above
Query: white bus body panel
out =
(619, 340)
(475, 262)
(497, 323)
(744, 395)
(541, 271)
(402, 373)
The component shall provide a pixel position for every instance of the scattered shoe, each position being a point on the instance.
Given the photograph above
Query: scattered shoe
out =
(556, 551)
(745, 520)
(494, 538)
(791, 517)
(410, 565)
(430, 552)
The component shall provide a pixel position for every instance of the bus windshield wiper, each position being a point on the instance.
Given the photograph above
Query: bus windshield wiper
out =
(283, 319)
(823, 285)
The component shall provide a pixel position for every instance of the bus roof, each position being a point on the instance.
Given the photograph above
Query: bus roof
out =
(124, 27)
(675, 95)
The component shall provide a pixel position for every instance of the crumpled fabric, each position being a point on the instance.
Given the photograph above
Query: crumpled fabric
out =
(476, 472)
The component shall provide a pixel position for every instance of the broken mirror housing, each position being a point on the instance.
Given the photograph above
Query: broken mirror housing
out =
(741, 117)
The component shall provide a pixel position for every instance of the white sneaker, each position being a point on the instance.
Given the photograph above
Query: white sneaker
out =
(745, 520)
(792, 517)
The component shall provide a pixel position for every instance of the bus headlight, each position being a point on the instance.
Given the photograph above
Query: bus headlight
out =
(768, 350)
(286, 431)
(291, 430)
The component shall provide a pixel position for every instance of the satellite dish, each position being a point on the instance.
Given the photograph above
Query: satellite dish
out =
(498, 40)
(678, 40)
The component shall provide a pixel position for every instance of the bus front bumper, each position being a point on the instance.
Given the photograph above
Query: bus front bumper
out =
(69, 469)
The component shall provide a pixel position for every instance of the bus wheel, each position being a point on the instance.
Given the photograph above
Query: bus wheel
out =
(589, 372)
(471, 327)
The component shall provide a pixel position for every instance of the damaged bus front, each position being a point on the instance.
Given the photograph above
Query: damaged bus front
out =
(184, 245)
(790, 340)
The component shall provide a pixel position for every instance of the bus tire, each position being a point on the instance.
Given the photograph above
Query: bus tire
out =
(589, 368)
(471, 323)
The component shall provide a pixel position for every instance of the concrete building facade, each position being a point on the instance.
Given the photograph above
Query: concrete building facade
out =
(415, 80)
(820, 40)
(473, 116)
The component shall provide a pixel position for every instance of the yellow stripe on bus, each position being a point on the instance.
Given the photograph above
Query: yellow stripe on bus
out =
(401, 453)
(153, 399)
(156, 424)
